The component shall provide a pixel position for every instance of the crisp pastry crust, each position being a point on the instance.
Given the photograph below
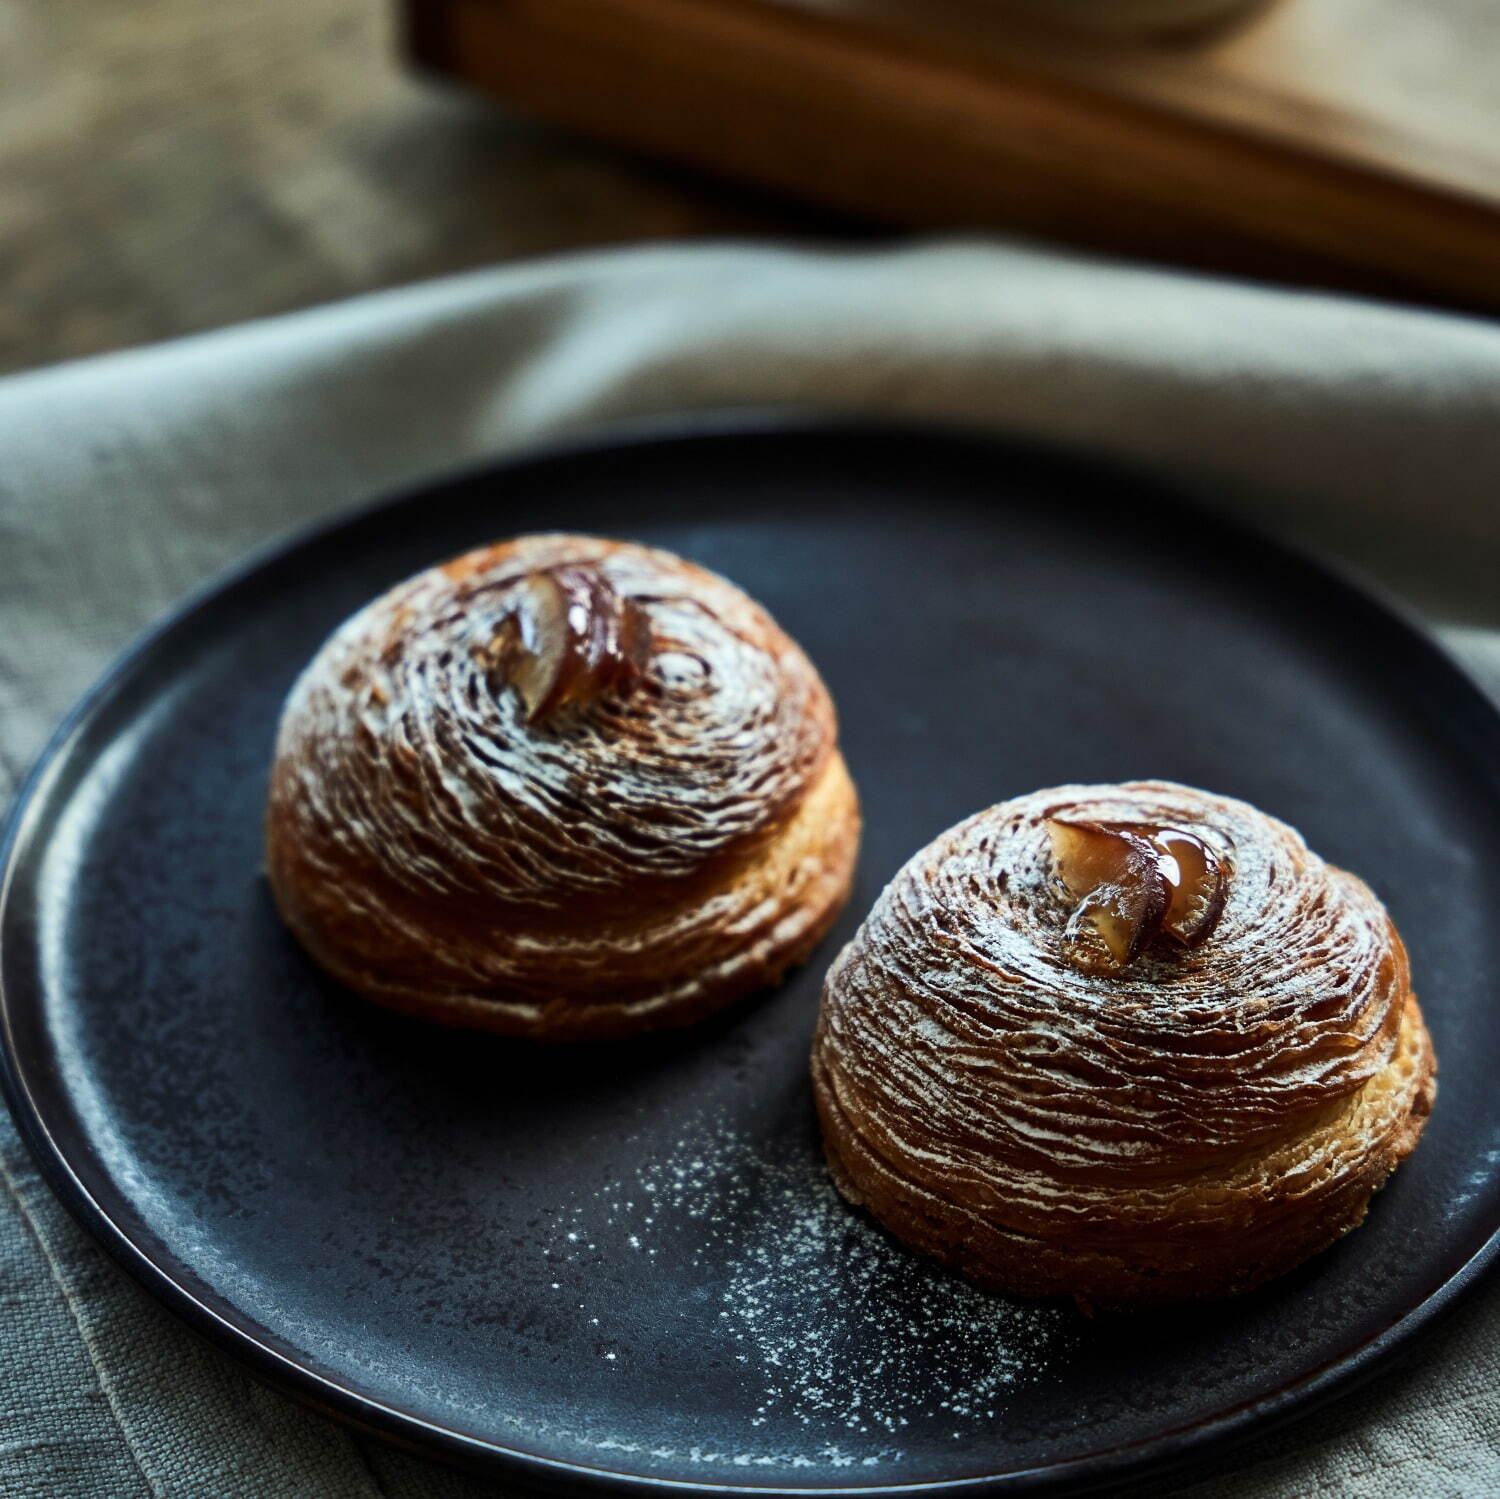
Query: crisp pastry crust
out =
(624, 865)
(1190, 1127)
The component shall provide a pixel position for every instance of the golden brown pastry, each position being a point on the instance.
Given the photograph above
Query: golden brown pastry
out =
(1126, 1043)
(561, 787)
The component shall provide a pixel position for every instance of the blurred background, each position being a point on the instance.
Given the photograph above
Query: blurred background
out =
(171, 166)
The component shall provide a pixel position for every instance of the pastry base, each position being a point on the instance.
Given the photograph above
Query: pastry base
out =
(1174, 1266)
(784, 898)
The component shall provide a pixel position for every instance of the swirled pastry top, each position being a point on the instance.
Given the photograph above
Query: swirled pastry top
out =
(958, 1028)
(406, 753)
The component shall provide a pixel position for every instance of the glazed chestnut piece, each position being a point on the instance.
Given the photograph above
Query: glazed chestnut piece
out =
(568, 637)
(1199, 882)
(1135, 882)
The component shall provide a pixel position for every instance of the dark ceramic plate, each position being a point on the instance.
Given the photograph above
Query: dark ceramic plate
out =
(621, 1267)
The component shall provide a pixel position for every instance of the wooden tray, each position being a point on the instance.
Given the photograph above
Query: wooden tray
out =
(1345, 142)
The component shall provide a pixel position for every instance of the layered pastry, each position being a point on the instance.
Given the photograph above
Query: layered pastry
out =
(561, 787)
(1126, 1043)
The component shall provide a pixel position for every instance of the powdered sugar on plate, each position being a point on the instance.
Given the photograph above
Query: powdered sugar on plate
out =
(837, 1325)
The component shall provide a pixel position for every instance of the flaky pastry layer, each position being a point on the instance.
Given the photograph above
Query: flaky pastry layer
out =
(629, 866)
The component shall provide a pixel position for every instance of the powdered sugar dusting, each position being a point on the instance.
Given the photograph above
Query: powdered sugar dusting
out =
(837, 1326)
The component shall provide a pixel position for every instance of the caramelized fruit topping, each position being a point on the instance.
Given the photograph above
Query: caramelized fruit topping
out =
(1116, 877)
(1198, 885)
(568, 637)
(1134, 882)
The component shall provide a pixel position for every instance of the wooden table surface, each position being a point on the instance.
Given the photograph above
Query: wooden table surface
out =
(168, 166)
(1334, 143)
(174, 165)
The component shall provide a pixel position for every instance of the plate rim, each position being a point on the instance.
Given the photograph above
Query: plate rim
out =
(171, 1283)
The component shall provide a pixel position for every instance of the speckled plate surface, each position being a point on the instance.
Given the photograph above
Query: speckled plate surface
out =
(622, 1267)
